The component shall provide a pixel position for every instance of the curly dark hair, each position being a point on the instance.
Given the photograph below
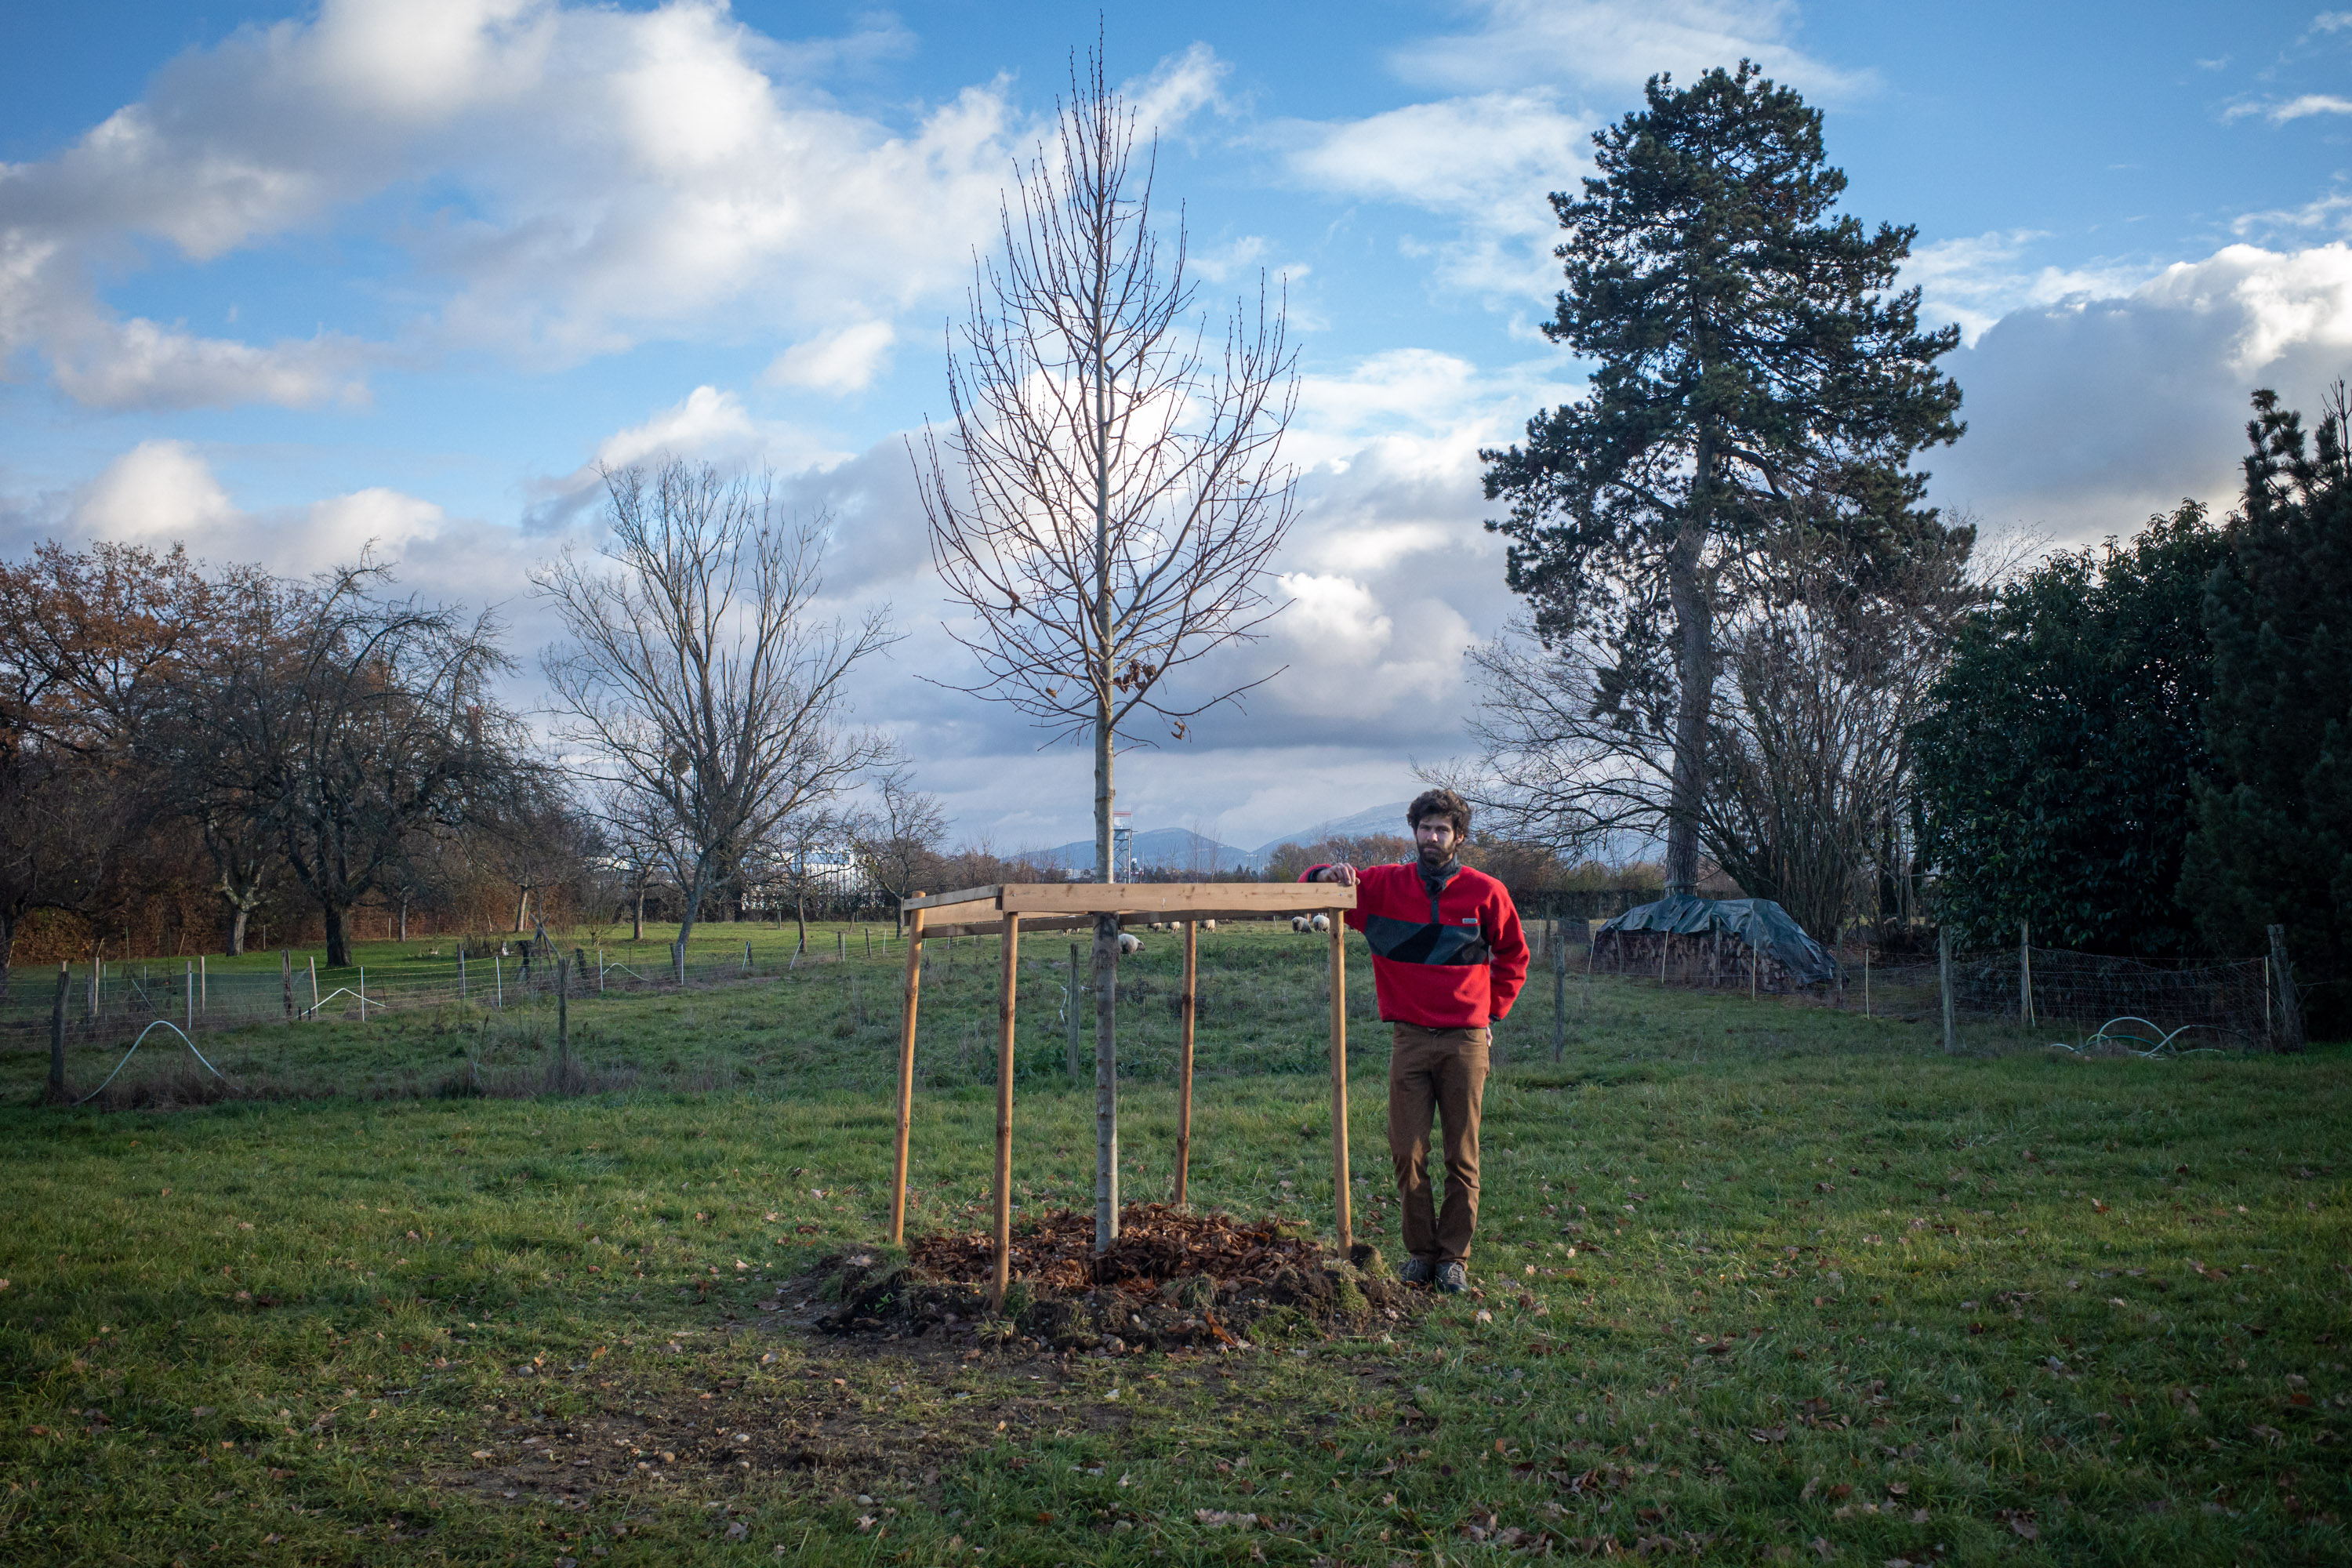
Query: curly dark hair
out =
(1440, 803)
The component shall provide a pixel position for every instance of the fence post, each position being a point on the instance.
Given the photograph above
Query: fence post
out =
(58, 1035)
(1559, 994)
(191, 1001)
(204, 986)
(747, 958)
(1944, 973)
(312, 960)
(2290, 1007)
(363, 993)
(286, 974)
(2024, 975)
(600, 972)
(1078, 1067)
(498, 979)
(562, 1024)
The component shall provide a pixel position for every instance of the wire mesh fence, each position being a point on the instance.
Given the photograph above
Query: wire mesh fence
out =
(2229, 1001)
(116, 1001)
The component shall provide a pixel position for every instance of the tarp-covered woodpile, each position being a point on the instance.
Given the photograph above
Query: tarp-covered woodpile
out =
(1728, 941)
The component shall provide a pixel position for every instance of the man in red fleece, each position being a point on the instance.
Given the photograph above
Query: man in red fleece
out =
(1448, 958)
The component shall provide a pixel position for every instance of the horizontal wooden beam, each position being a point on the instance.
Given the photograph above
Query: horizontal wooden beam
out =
(968, 896)
(1130, 922)
(1176, 901)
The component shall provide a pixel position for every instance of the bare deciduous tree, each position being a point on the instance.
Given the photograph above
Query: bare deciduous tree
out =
(1112, 488)
(1825, 665)
(706, 692)
(897, 836)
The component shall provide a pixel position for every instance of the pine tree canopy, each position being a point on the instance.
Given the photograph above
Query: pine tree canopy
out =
(2274, 836)
(1752, 367)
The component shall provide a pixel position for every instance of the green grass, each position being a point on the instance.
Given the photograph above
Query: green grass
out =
(1815, 1261)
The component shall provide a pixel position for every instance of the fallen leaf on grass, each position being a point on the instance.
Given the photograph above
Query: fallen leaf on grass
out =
(2270, 1434)
(1214, 1517)
(1822, 1546)
(2020, 1523)
(1769, 1433)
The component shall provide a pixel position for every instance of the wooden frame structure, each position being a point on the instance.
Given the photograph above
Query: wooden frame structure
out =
(1015, 907)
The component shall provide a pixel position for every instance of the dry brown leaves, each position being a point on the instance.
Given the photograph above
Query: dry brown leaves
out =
(1156, 1244)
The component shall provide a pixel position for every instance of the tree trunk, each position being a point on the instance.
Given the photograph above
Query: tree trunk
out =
(7, 951)
(1695, 674)
(522, 902)
(339, 941)
(638, 915)
(1105, 983)
(403, 917)
(693, 902)
(237, 919)
(56, 1089)
(800, 919)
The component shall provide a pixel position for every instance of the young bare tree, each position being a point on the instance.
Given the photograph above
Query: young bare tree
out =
(699, 684)
(898, 833)
(1112, 488)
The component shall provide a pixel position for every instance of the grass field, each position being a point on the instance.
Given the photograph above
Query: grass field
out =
(1832, 1296)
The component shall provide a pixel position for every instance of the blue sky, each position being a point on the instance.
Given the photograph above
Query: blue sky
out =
(280, 281)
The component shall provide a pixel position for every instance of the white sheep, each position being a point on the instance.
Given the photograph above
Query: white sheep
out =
(1321, 922)
(1129, 943)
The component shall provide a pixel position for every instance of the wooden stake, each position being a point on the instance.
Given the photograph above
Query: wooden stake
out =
(285, 973)
(191, 1001)
(1944, 974)
(57, 1035)
(1343, 1214)
(313, 962)
(203, 987)
(1187, 1009)
(1077, 1063)
(1005, 1009)
(1559, 997)
(2024, 975)
(562, 1026)
(907, 1074)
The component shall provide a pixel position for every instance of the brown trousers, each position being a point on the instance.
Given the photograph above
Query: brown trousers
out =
(1442, 1071)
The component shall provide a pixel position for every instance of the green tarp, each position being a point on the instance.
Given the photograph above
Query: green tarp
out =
(1760, 922)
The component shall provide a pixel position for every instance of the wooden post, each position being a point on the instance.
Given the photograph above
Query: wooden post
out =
(1186, 1010)
(1944, 973)
(461, 972)
(869, 939)
(600, 972)
(1865, 979)
(1077, 1062)
(2024, 975)
(2290, 1005)
(285, 973)
(1106, 986)
(204, 986)
(562, 1024)
(1559, 998)
(363, 993)
(841, 947)
(914, 918)
(313, 962)
(57, 1035)
(191, 1001)
(498, 979)
(747, 958)
(1343, 1213)
(1006, 1006)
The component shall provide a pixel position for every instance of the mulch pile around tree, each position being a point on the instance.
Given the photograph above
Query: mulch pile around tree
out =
(1173, 1279)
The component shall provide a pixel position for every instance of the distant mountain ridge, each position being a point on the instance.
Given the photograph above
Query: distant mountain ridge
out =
(1181, 850)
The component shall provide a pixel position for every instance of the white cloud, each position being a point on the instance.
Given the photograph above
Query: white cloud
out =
(156, 493)
(2299, 108)
(1977, 279)
(162, 493)
(706, 422)
(844, 361)
(1177, 89)
(1617, 45)
(1487, 164)
(598, 176)
(2088, 417)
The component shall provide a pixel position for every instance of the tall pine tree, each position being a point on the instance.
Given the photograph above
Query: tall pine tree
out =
(2273, 839)
(1754, 371)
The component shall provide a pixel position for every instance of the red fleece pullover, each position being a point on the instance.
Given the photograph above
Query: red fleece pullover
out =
(1452, 960)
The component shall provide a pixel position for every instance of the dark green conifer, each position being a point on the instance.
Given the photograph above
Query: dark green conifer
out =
(1753, 370)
